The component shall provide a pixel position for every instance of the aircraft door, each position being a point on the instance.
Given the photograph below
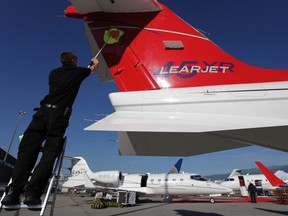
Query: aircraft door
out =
(259, 188)
(243, 189)
(241, 181)
(144, 180)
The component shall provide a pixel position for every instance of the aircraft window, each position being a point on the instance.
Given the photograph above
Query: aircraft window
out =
(229, 179)
(159, 180)
(152, 180)
(173, 179)
(198, 178)
(166, 179)
(181, 179)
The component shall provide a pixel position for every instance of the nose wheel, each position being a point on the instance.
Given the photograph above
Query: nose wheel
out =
(212, 201)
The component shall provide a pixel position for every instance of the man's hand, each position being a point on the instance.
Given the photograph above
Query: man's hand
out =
(95, 64)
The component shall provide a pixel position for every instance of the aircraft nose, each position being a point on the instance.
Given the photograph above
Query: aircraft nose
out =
(223, 183)
(228, 190)
(224, 189)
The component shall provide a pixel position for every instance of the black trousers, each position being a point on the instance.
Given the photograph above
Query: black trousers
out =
(253, 197)
(49, 125)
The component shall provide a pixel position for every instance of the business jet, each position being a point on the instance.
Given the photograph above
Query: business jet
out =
(180, 94)
(281, 186)
(80, 166)
(239, 183)
(164, 184)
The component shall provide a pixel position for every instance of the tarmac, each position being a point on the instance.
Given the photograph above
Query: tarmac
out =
(77, 204)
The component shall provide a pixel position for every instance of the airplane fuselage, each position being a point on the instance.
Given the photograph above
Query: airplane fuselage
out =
(161, 184)
(259, 180)
(151, 184)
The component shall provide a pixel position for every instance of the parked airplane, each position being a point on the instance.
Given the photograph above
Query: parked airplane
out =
(180, 94)
(239, 183)
(79, 166)
(149, 184)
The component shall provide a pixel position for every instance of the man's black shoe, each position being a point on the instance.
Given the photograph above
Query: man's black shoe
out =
(32, 199)
(12, 198)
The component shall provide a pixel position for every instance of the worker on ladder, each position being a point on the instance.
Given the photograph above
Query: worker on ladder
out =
(48, 124)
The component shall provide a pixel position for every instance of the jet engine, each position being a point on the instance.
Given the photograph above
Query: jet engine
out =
(108, 177)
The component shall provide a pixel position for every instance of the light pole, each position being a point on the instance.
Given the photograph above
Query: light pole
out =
(21, 113)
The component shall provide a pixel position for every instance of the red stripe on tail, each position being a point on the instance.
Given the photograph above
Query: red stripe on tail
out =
(272, 178)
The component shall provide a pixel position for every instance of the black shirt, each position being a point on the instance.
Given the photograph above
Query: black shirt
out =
(64, 84)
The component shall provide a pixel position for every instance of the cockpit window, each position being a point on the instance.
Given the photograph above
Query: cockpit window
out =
(229, 179)
(198, 178)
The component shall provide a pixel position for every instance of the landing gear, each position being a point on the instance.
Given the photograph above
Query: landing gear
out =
(212, 201)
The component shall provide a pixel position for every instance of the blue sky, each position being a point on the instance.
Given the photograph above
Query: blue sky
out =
(34, 33)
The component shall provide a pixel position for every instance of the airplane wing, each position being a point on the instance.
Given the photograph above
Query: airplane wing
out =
(88, 183)
(74, 182)
(186, 134)
(188, 144)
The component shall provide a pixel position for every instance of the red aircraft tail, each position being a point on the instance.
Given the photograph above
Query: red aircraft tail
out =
(160, 50)
(272, 178)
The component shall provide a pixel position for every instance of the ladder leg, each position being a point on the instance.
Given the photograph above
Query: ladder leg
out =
(61, 157)
(47, 196)
(54, 181)
(4, 194)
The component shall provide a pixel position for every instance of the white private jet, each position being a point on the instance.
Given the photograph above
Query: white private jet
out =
(180, 94)
(165, 184)
(239, 183)
(80, 166)
(281, 186)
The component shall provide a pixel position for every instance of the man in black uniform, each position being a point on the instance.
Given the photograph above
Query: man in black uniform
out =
(252, 192)
(49, 124)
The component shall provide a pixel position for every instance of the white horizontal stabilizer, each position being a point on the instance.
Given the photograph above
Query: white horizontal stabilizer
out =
(180, 122)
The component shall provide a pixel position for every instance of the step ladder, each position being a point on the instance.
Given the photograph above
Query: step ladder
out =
(244, 191)
(54, 180)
